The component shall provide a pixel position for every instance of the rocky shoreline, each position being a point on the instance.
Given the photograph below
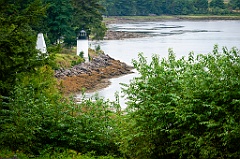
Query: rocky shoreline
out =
(92, 75)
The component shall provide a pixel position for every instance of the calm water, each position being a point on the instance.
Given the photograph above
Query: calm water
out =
(182, 36)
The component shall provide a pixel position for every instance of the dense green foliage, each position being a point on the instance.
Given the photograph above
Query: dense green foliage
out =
(66, 154)
(28, 110)
(39, 121)
(35, 119)
(88, 15)
(167, 7)
(60, 21)
(217, 3)
(18, 41)
(184, 108)
(235, 4)
(65, 18)
(178, 108)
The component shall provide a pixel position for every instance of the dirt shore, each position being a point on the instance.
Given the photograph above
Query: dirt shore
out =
(91, 76)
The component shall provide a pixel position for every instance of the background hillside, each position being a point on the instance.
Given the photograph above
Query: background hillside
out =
(170, 7)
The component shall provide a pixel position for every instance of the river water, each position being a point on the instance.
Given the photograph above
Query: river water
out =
(182, 36)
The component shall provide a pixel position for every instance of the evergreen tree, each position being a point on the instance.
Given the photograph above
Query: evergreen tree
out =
(88, 15)
(158, 7)
(125, 7)
(217, 4)
(143, 7)
(235, 4)
(58, 20)
(201, 6)
(110, 7)
(17, 40)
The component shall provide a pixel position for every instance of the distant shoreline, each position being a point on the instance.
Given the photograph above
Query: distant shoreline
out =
(131, 19)
(116, 35)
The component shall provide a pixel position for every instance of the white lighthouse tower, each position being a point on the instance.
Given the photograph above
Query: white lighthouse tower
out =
(82, 45)
(41, 45)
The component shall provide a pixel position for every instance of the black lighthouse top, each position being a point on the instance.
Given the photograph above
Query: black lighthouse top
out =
(82, 35)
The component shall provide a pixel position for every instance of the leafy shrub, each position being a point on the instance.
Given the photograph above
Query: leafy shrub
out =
(66, 154)
(98, 128)
(185, 108)
(81, 54)
(31, 106)
(37, 120)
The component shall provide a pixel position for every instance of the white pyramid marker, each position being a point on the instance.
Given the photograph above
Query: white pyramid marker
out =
(41, 45)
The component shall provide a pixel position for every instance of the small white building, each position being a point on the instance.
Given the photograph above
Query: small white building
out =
(41, 45)
(82, 45)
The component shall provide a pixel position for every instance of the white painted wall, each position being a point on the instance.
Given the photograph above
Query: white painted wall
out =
(82, 46)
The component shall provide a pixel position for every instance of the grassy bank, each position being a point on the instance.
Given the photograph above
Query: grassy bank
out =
(67, 58)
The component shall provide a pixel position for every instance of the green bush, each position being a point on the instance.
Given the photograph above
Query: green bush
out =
(66, 154)
(25, 114)
(37, 120)
(184, 108)
(97, 127)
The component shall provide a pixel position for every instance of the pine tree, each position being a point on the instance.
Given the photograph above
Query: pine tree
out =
(58, 20)
(217, 3)
(88, 16)
(17, 40)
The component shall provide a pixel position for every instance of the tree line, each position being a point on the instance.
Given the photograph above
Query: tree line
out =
(62, 19)
(170, 7)
(65, 18)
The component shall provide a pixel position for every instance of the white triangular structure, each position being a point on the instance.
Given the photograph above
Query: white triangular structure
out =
(41, 45)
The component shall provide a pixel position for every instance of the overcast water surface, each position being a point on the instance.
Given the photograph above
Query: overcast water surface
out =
(182, 36)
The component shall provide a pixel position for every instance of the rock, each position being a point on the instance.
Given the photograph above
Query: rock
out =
(100, 61)
(91, 75)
